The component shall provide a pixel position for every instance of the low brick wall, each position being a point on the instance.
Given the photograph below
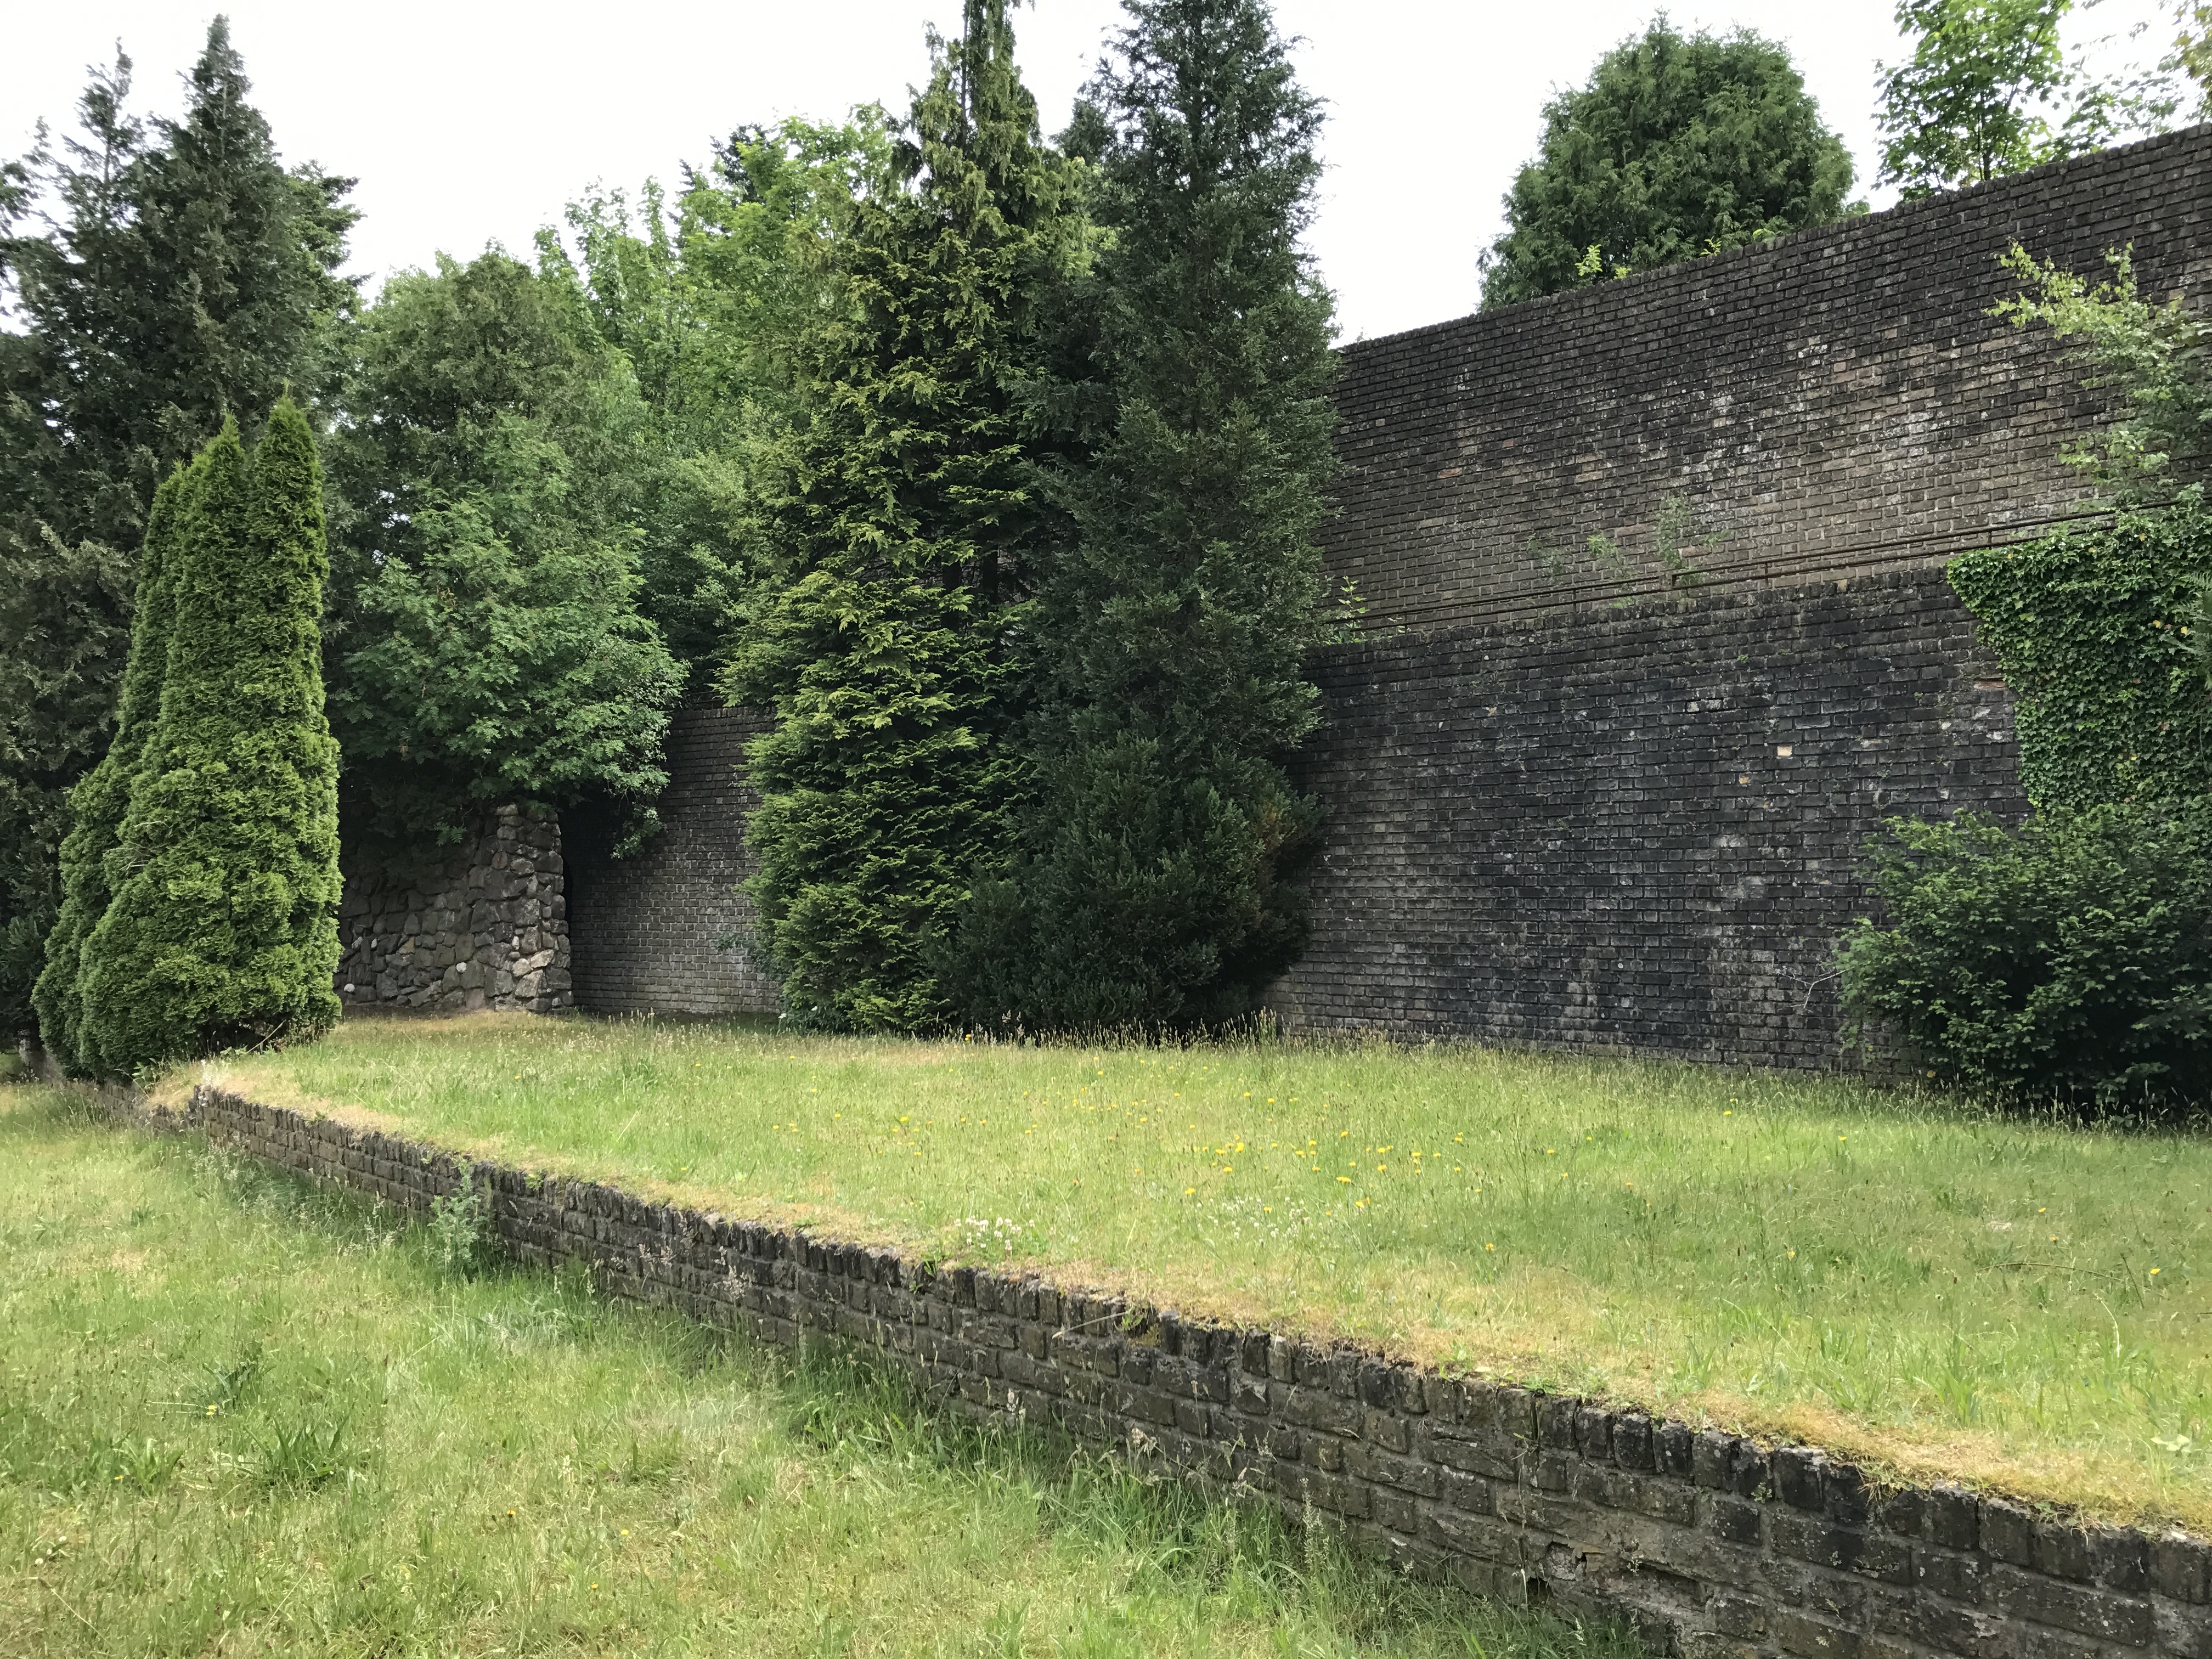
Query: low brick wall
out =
(1711, 1543)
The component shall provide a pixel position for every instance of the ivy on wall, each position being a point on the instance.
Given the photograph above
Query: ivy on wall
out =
(2098, 634)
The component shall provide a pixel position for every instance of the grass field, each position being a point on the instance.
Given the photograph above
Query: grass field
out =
(238, 1416)
(1915, 1283)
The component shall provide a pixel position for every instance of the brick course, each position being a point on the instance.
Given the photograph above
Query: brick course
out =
(1712, 1544)
(1836, 401)
(1639, 830)
(647, 927)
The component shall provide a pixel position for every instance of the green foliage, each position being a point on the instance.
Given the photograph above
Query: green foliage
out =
(460, 1230)
(1676, 146)
(2192, 49)
(2098, 632)
(905, 510)
(223, 926)
(187, 274)
(1959, 111)
(1965, 107)
(2070, 959)
(1170, 628)
(2158, 443)
(486, 645)
(708, 304)
(99, 802)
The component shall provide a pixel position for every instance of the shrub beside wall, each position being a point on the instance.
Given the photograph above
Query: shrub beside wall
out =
(2070, 958)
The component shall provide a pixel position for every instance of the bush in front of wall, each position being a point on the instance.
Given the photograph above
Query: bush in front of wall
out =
(2068, 960)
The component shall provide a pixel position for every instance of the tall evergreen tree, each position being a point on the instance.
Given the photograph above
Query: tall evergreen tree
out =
(1170, 631)
(223, 928)
(186, 274)
(99, 800)
(1678, 145)
(881, 642)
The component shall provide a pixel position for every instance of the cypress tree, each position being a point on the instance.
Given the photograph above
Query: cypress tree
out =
(880, 644)
(1171, 631)
(99, 802)
(189, 274)
(223, 928)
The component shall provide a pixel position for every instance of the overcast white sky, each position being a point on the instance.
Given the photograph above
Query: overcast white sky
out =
(475, 121)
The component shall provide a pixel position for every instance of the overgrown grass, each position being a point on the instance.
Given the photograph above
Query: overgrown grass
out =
(241, 1416)
(1941, 1291)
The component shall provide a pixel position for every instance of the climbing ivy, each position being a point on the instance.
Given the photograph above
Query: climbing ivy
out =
(2099, 632)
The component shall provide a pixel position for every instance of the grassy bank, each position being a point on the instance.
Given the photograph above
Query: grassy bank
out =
(238, 1416)
(2021, 1303)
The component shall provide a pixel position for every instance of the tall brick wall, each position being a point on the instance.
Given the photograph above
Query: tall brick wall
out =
(1556, 821)
(1834, 402)
(645, 928)
(1638, 828)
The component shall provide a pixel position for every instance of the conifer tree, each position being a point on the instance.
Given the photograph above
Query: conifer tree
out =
(879, 643)
(223, 928)
(188, 274)
(98, 803)
(1171, 633)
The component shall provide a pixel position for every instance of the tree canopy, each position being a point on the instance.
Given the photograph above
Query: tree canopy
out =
(907, 510)
(486, 643)
(1677, 145)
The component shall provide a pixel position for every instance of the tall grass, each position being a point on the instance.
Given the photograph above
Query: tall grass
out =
(1917, 1282)
(241, 1416)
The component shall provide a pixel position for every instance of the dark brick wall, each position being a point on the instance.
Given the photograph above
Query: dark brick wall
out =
(1537, 832)
(1636, 829)
(1714, 1545)
(1838, 399)
(643, 929)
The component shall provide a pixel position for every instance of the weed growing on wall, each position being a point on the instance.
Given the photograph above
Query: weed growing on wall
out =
(460, 1231)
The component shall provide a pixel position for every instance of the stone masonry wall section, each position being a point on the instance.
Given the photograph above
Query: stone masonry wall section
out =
(646, 928)
(484, 926)
(1837, 400)
(1712, 1544)
(1638, 829)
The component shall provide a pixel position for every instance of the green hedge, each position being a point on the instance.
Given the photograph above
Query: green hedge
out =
(2070, 958)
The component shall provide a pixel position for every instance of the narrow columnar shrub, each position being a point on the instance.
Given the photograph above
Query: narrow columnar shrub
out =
(879, 641)
(223, 928)
(98, 804)
(2070, 958)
